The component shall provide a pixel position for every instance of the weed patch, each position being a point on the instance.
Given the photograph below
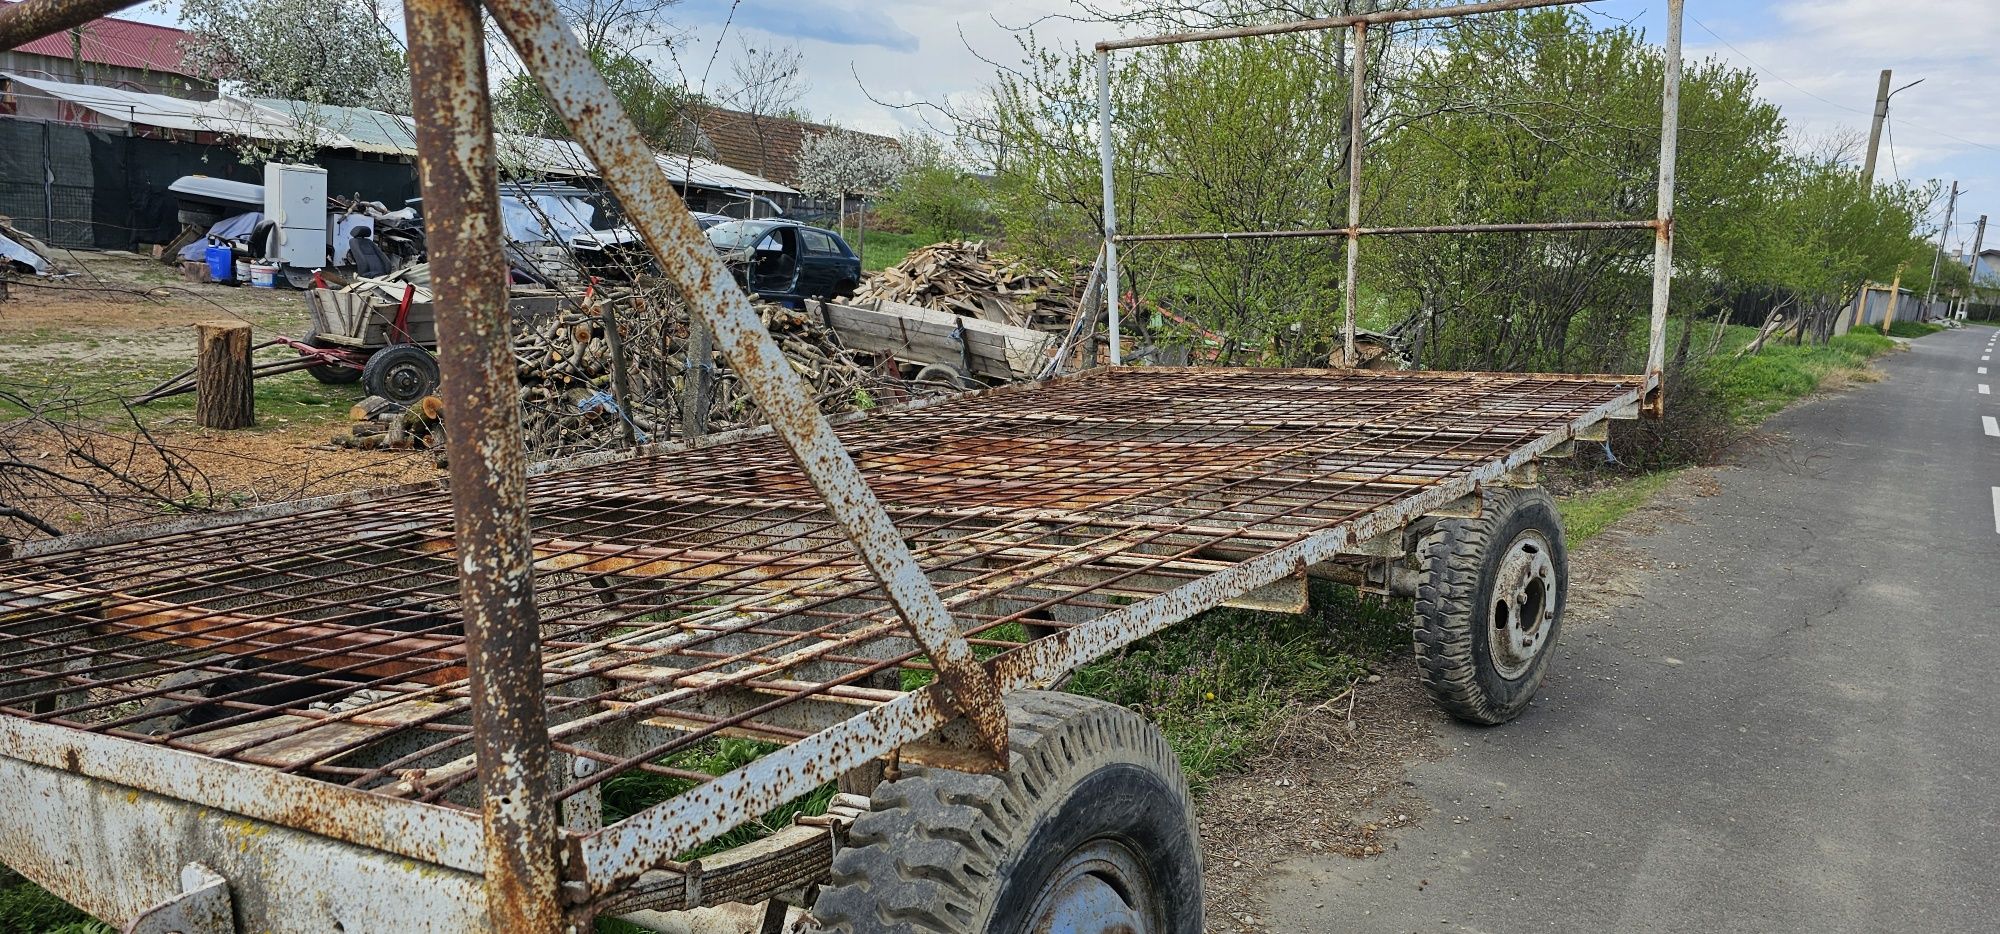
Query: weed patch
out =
(1217, 685)
(1586, 514)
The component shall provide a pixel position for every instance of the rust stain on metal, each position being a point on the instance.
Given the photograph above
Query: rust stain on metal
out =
(488, 464)
(32, 19)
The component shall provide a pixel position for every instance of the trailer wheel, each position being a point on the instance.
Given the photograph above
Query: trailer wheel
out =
(1091, 831)
(328, 373)
(1489, 605)
(400, 373)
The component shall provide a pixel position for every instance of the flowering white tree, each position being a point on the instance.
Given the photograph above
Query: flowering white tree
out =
(840, 163)
(325, 53)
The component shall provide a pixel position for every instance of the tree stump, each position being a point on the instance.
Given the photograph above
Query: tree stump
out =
(223, 396)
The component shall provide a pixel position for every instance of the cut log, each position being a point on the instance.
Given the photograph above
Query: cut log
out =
(369, 408)
(224, 397)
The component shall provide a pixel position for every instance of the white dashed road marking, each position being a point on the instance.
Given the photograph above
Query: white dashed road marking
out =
(1985, 390)
(1996, 509)
(1992, 425)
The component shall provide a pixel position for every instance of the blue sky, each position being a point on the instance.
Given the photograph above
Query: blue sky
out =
(1817, 59)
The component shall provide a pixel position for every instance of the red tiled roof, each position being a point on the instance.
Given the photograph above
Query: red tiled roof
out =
(118, 42)
(767, 146)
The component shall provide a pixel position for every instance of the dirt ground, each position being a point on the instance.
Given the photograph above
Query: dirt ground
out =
(1334, 783)
(71, 349)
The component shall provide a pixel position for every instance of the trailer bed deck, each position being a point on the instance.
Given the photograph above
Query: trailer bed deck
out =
(699, 592)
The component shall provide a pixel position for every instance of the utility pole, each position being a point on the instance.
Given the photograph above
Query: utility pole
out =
(1978, 243)
(1937, 262)
(1875, 130)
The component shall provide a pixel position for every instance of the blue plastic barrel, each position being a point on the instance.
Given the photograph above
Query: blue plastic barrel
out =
(221, 263)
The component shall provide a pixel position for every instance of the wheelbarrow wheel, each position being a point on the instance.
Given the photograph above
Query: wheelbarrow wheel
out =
(1489, 605)
(400, 373)
(1090, 830)
(330, 373)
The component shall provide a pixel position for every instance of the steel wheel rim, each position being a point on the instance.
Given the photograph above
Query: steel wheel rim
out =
(1101, 887)
(406, 381)
(1523, 614)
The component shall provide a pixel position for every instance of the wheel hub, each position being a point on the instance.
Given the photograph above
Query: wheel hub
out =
(1101, 888)
(406, 381)
(1524, 605)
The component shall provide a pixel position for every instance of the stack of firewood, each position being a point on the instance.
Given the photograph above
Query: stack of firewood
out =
(963, 277)
(569, 399)
(381, 424)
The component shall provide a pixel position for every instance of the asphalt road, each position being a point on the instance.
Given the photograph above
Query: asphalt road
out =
(1793, 726)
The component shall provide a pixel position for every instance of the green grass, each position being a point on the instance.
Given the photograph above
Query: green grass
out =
(883, 249)
(1584, 515)
(1219, 684)
(25, 906)
(1756, 386)
(98, 386)
(1913, 329)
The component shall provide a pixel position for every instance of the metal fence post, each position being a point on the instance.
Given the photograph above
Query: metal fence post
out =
(459, 173)
(1105, 150)
(1356, 108)
(1663, 238)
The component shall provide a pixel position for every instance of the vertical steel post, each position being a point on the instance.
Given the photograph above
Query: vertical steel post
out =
(1356, 104)
(459, 175)
(1104, 159)
(596, 119)
(1663, 239)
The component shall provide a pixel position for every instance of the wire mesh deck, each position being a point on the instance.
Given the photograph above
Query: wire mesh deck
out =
(701, 592)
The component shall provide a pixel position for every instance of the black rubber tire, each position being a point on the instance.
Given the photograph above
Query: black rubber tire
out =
(938, 374)
(946, 852)
(327, 373)
(400, 373)
(1458, 561)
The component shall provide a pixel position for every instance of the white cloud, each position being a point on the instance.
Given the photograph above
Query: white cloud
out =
(933, 64)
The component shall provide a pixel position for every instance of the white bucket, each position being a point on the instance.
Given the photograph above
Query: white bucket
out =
(243, 270)
(263, 277)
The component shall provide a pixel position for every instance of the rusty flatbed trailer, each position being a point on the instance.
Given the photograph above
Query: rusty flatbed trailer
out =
(394, 710)
(314, 652)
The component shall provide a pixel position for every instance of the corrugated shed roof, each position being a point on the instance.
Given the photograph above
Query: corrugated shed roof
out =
(173, 113)
(118, 42)
(367, 130)
(362, 130)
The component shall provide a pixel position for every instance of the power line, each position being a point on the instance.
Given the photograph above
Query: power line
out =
(1781, 79)
(1889, 127)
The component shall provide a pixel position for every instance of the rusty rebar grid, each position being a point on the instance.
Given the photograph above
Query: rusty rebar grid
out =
(705, 592)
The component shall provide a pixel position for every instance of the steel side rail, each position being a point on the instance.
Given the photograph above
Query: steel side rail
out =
(616, 856)
(598, 123)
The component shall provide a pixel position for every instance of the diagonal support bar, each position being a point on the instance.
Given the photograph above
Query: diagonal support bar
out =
(598, 123)
(24, 22)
